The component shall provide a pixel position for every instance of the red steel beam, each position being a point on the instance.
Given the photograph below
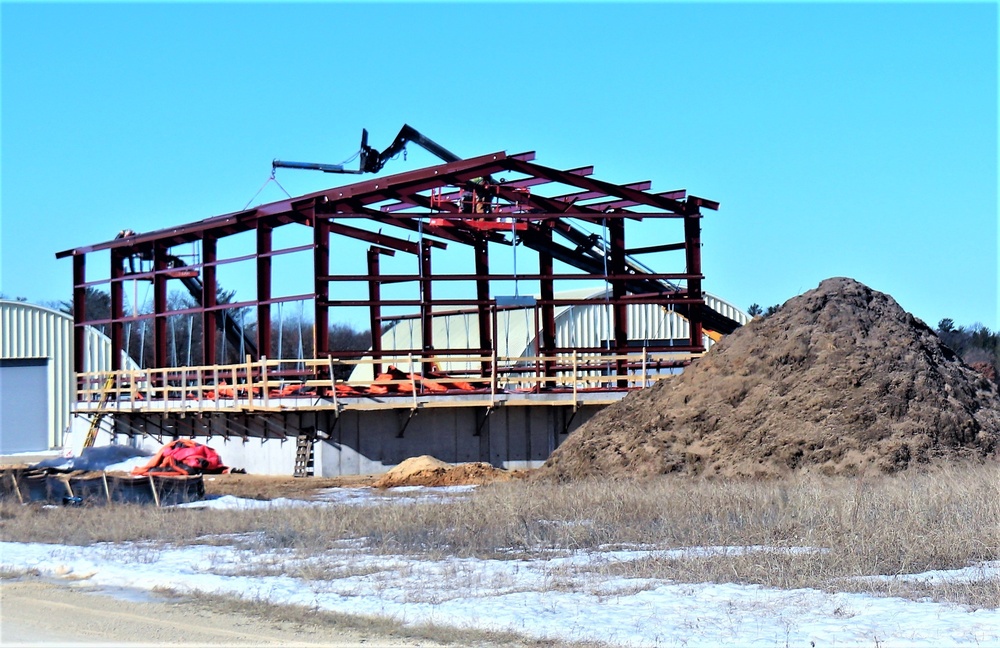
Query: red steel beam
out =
(321, 267)
(372, 237)
(617, 267)
(426, 300)
(678, 194)
(548, 276)
(375, 310)
(596, 185)
(160, 305)
(514, 184)
(209, 300)
(482, 270)
(692, 236)
(264, 289)
(548, 311)
(117, 309)
(79, 313)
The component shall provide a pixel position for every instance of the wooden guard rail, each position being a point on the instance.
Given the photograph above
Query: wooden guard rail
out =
(267, 384)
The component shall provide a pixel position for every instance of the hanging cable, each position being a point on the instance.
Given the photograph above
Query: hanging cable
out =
(280, 187)
(142, 346)
(190, 335)
(513, 247)
(270, 179)
(301, 350)
(281, 326)
(258, 191)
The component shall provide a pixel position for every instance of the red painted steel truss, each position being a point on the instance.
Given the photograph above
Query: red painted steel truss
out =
(462, 203)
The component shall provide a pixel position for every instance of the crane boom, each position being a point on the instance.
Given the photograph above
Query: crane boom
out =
(370, 159)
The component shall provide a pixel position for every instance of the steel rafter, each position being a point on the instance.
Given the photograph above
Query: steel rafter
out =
(452, 203)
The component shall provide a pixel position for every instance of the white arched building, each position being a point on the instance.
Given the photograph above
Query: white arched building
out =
(37, 385)
(580, 325)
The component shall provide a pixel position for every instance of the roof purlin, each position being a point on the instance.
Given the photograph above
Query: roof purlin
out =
(598, 185)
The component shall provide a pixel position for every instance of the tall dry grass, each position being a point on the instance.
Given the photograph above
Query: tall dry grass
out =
(945, 518)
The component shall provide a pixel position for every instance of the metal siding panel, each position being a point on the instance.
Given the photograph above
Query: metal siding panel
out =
(32, 331)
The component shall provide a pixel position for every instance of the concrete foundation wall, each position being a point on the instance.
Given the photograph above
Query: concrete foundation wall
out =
(372, 442)
(363, 443)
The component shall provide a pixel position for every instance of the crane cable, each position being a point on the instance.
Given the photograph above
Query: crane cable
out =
(270, 179)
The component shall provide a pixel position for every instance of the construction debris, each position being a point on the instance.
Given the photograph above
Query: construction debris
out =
(172, 476)
(840, 380)
(425, 470)
(78, 487)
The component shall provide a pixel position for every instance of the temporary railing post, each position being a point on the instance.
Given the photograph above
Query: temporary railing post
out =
(215, 381)
(413, 381)
(263, 378)
(575, 378)
(645, 379)
(249, 370)
(333, 387)
(493, 378)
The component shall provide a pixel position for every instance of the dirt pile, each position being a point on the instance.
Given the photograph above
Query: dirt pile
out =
(428, 471)
(839, 380)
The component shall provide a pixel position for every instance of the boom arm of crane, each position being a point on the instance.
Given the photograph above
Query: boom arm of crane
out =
(370, 159)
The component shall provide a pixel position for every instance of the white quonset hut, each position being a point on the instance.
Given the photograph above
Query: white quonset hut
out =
(578, 325)
(36, 374)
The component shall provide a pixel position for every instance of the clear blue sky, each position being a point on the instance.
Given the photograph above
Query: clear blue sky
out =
(841, 139)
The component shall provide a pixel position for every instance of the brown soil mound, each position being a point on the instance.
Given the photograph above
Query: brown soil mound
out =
(839, 380)
(428, 471)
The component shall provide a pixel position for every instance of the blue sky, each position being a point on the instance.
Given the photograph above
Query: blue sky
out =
(841, 139)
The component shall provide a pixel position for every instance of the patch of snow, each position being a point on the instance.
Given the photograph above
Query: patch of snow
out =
(982, 571)
(98, 458)
(554, 598)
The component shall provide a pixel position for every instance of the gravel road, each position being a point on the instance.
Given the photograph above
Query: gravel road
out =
(38, 613)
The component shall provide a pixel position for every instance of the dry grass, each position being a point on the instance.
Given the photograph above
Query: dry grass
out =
(945, 518)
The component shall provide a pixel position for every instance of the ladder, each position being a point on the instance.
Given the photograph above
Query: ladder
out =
(304, 455)
(95, 423)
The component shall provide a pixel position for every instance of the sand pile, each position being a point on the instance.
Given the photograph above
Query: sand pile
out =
(428, 471)
(839, 380)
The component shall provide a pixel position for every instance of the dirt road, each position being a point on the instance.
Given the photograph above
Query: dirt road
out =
(40, 613)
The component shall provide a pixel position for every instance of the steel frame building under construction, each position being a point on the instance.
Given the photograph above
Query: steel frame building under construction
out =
(569, 227)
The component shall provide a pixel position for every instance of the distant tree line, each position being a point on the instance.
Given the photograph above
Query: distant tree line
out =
(976, 345)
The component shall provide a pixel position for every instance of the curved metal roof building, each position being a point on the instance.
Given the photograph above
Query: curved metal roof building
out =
(578, 325)
(36, 374)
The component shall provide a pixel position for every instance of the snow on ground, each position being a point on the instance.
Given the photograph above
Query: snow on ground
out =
(563, 596)
(109, 458)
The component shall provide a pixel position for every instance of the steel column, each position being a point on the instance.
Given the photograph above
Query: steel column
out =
(79, 312)
(264, 232)
(426, 313)
(692, 239)
(616, 264)
(321, 268)
(375, 310)
(117, 307)
(482, 262)
(160, 250)
(548, 311)
(209, 299)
